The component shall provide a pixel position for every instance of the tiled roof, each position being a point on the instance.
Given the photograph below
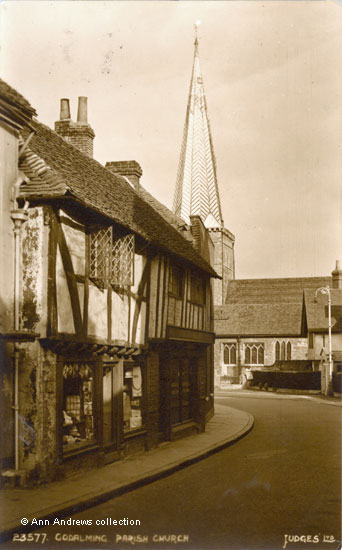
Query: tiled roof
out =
(266, 291)
(258, 319)
(167, 214)
(11, 96)
(317, 314)
(70, 172)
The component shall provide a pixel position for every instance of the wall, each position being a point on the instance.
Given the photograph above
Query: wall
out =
(299, 351)
(223, 263)
(34, 272)
(8, 177)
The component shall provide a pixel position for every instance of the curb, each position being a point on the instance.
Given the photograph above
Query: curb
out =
(92, 499)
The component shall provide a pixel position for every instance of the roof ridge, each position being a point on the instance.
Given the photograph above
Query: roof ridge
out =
(98, 188)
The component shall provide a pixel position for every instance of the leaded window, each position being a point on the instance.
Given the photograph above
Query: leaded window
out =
(111, 260)
(229, 354)
(254, 354)
(100, 253)
(123, 261)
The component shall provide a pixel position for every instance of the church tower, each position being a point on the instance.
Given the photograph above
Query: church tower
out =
(197, 192)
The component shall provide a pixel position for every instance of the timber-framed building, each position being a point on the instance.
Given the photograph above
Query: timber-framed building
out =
(106, 334)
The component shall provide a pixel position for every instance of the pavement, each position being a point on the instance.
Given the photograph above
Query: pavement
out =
(63, 498)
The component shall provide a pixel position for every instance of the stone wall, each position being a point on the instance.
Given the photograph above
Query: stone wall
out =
(299, 351)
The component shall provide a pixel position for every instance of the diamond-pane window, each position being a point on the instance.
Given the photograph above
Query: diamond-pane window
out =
(100, 253)
(122, 272)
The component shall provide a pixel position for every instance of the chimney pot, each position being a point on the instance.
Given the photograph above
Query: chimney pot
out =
(82, 113)
(337, 275)
(65, 109)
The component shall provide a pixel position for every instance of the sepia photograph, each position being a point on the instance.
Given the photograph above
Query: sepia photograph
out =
(171, 274)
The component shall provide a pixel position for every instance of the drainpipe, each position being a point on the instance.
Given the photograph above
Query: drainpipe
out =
(18, 217)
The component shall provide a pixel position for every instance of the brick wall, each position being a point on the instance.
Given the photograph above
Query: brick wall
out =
(80, 135)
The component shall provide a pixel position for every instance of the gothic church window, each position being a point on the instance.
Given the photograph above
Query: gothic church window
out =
(283, 351)
(254, 354)
(229, 354)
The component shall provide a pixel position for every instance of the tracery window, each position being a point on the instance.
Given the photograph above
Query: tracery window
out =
(229, 354)
(283, 351)
(254, 354)
(111, 260)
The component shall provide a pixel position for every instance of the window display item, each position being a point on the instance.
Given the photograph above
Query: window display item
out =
(78, 418)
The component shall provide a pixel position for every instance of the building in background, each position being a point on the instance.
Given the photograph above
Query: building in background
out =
(197, 192)
(106, 306)
(272, 322)
(258, 323)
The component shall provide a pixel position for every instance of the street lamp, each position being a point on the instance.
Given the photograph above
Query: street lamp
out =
(326, 290)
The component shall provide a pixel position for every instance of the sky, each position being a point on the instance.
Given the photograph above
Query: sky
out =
(272, 73)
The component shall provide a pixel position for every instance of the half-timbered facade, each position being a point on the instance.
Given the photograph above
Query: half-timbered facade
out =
(114, 343)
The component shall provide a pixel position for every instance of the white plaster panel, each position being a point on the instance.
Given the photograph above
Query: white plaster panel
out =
(80, 291)
(65, 319)
(139, 336)
(119, 316)
(75, 239)
(97, 312)
(139, 264)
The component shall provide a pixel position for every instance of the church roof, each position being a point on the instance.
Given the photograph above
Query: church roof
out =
(265, 307)
(265, 319)
(196, 190)
(266, 291)
(56, 169)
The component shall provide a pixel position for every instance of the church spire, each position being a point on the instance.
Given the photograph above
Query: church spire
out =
(196, 190)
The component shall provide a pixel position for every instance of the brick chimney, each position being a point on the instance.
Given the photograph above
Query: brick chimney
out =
(337, 275)
(131, 169)
(80, 134)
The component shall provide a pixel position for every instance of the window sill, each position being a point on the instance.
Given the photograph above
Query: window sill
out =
(84, 449)
(134, 433)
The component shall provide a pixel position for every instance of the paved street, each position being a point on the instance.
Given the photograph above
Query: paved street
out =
(284, 478)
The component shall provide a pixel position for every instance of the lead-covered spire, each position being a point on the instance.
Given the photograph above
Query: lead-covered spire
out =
(196, 188)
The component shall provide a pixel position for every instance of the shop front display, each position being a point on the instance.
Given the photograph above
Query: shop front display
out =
(132, 398)
(78, 407)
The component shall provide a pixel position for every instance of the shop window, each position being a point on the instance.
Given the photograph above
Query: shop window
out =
(111, 261)
(254, 354)
(175, 281)
(132, 398)
(229, 354)
(197, 289)
(78, 406)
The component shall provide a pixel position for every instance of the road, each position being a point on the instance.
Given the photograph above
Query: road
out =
(283, 478)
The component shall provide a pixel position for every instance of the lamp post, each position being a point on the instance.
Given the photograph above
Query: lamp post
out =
(326, 290)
